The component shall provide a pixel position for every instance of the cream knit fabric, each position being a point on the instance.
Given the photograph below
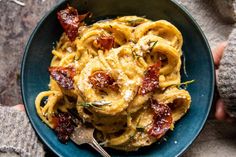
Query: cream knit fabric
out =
(210, 20)
(16, 134)
(227, 9)
(227, 75)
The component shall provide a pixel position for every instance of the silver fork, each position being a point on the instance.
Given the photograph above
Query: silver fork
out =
(84, 135)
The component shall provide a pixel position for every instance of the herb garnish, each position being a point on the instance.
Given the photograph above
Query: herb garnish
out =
(140, 129)
(135, 22)
(154, 44)
(184, 85)
(135, 55)
(94, 104)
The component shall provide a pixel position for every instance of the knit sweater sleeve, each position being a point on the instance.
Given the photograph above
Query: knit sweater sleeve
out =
(16, 134)
(226, 8)
(227, 75)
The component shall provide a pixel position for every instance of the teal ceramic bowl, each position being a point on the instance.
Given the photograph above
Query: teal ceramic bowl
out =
(199, 66)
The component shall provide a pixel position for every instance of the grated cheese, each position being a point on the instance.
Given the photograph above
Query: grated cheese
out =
(127, 95)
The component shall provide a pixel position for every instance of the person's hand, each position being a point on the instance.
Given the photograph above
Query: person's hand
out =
(220, 112)
(19, 107)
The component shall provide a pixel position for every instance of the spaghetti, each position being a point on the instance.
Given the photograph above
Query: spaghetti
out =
(121, 75)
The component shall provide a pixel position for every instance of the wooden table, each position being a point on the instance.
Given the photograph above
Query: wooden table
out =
(16, 24)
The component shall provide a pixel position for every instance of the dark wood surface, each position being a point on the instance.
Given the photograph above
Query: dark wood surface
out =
(16, 25)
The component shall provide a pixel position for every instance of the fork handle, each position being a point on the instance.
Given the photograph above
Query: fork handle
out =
(97, 147)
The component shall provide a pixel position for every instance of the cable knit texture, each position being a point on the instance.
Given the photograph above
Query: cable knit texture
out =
(227, 75)
(207, 16)
(17, 135)
(227, 9)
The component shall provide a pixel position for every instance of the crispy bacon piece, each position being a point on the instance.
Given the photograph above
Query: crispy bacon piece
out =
(101, 80)
(70, 21)
(151, 79)
(162, 119)
(105, 42)
(64, 126)
(63, 76)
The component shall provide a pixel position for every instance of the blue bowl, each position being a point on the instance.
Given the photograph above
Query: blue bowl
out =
(199, 66)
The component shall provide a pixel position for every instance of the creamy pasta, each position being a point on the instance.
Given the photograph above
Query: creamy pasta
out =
(122, 76)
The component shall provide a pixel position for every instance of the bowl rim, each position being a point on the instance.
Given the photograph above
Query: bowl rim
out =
(177, 6)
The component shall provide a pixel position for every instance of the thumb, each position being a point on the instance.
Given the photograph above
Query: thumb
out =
(218, 52)
(220, 113)
(19, 107)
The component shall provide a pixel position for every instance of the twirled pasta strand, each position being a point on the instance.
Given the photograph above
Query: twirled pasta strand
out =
(138, 43)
